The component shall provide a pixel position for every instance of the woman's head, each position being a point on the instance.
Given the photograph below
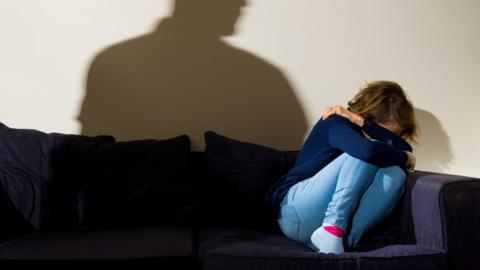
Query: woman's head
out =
(385, 103)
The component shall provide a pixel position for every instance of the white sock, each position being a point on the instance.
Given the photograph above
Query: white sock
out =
(327, 242)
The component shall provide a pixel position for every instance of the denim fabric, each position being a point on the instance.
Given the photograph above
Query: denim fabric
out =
(347, 189)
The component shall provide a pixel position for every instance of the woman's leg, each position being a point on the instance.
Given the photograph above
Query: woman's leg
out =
(332, 194)
(303, 208)
(353, 180)
(377, 202)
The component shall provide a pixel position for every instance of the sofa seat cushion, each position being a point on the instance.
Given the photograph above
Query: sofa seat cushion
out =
(223, 248)
(157, 246)
(409, 257)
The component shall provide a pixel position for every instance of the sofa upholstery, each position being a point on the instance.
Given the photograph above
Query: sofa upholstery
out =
(75, 201)
(138, 247)
(230, 248)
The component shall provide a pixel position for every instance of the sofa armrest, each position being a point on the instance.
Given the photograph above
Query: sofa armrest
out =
(446, 215)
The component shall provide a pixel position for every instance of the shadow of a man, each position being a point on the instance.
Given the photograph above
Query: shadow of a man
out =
(184, 79)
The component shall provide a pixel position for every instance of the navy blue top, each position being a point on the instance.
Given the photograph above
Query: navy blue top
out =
(329, 139)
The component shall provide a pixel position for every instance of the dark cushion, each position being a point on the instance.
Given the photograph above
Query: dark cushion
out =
(240, 173)
(234, 248)
(132, 183)
(28, 170)
(13, 223)
(163, 248)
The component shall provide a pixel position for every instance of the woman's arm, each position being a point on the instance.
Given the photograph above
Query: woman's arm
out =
(343, 136)
(378, 132)
(372, 129)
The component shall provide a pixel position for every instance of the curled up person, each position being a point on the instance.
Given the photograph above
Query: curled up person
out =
(350, 172)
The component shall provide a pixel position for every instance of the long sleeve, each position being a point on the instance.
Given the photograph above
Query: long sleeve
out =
(380, 133)
(343, 136)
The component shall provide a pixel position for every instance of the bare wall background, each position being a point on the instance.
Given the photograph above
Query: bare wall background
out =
(257, 70)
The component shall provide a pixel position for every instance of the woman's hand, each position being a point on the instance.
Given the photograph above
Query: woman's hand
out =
(411, 162)
(340, 110)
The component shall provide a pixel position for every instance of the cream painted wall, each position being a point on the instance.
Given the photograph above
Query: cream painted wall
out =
(325, 49)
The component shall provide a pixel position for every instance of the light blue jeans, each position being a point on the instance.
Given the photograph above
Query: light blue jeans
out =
(346, 189)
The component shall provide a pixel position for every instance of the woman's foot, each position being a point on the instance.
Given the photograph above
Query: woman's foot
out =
(328, 239)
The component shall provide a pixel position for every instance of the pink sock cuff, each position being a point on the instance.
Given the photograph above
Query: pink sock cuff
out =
(334, 230)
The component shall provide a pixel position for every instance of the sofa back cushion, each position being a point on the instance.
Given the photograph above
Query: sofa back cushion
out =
(132, 183)
(239, 174)
(28, 169)
(13, 223)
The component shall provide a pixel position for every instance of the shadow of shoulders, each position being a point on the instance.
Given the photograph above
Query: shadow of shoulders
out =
(173, 82)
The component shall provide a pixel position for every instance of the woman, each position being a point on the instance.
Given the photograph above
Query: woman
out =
(350, 172)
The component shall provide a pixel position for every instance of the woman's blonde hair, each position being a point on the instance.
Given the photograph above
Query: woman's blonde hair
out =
(385, 101)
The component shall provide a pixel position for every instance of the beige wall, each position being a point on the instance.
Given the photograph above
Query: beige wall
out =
(113, 66)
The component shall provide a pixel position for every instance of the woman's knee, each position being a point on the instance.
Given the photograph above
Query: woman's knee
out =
(357, 161)
(394, 177)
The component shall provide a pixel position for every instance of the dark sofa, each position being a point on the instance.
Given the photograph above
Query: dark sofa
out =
(74, 201)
